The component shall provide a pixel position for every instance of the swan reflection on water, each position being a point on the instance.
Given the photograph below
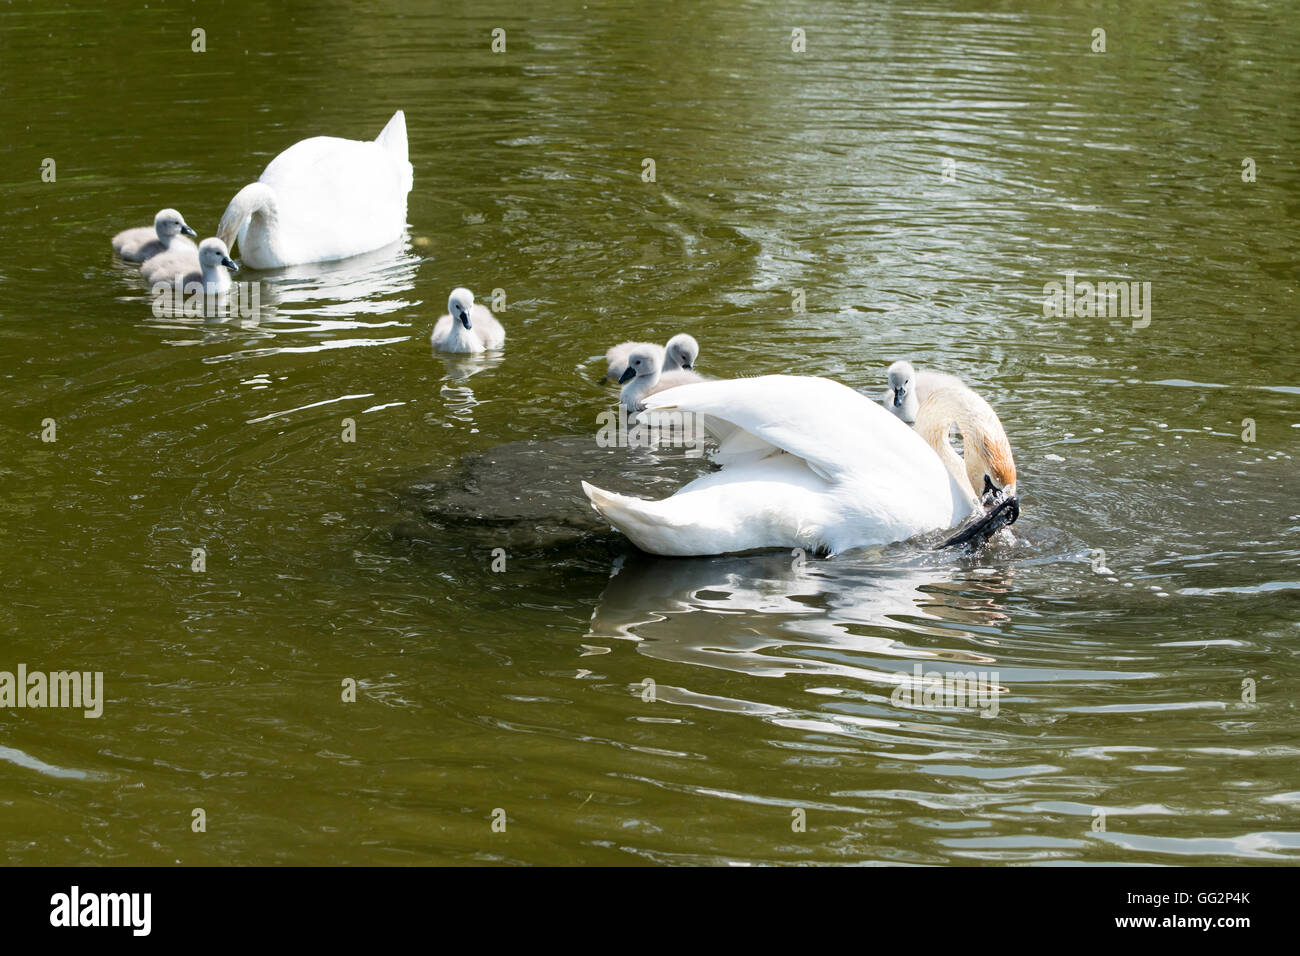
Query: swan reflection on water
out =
(365, 292)
(779, 613)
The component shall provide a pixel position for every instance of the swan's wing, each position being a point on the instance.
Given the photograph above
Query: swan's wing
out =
(836, 430)
(322, 165)
(336, 198)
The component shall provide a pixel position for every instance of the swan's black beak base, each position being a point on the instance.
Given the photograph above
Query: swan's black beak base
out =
(1001, 515)
(464, 320)
(627, 376)
(187, 231)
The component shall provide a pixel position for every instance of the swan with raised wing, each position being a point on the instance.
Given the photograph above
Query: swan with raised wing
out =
(810, 463)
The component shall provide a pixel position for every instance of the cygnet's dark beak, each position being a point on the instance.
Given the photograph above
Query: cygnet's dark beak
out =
(187, 231)
(464, 320)
(898, 397)
(687, 366)
(627, 376)
(229, 263)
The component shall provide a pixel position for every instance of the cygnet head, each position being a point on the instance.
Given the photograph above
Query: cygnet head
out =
(681, 352)
(213, 254)
(901, 397)
(170, 223)
(645, 361)
(460, 304)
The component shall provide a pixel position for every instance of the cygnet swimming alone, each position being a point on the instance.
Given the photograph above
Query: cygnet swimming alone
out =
(468, 327)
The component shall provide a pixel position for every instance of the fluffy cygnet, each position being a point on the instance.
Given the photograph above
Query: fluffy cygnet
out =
(468, 327)
(143, 243)
(644, 376)
(211, 267)
(681, 352)
(908, 389)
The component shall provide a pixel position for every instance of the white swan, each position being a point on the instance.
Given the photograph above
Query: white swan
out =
(681, 352)
(322, 199)
(644, 376)
(143, 242)
(908, 389)
(809, 463)
(468, 327)
(211, 267)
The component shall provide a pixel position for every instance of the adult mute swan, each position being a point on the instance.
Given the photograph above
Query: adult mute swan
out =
(908, 389)
(644, 376)
(681, 352)
(467, 327)
(143, 242)
(323, 198)
(809, 463)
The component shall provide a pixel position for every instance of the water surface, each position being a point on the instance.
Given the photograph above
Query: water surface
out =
(1119, 676)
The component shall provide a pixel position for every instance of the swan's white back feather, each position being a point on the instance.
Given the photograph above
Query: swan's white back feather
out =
(807, 462)
(832, 427)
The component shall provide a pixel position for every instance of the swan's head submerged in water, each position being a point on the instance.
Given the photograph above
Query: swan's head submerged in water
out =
(459, 305)
(987, 474)
(169, 223)
(901, 398)
(998, 497)
(681, 352)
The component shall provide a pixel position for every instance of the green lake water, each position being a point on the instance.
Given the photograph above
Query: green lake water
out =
(918, 174)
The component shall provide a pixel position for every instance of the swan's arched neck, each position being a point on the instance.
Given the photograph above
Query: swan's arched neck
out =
(255, 202)
(984, 441)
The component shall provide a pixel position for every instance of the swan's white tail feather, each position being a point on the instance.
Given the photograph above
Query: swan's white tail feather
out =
(644, 522)
(393, 138)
